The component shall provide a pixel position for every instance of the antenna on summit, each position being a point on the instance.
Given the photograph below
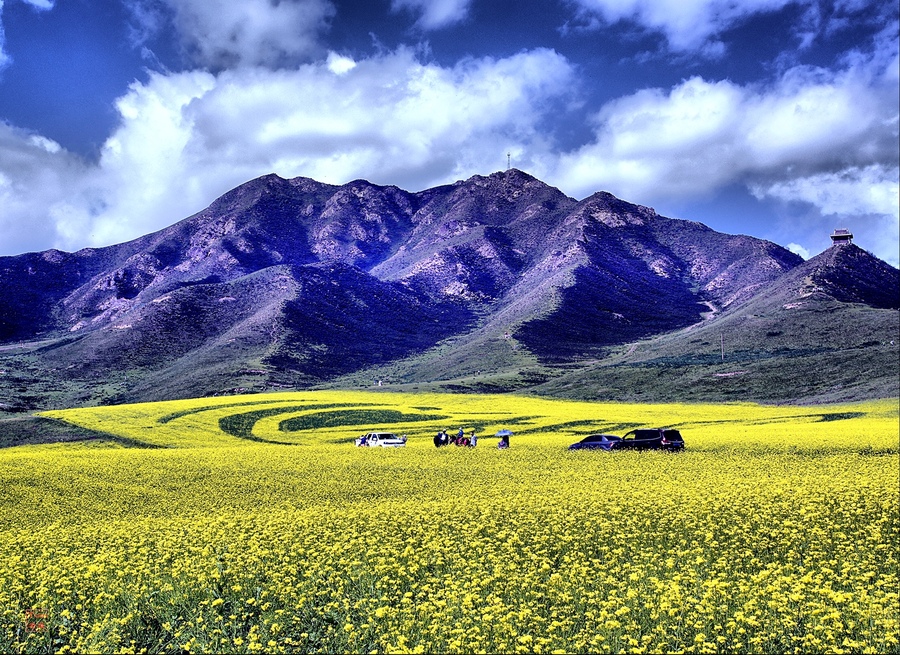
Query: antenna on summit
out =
(508, 155)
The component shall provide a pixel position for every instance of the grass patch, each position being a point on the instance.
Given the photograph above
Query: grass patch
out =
(241, 425)
(841, 416)
(382, 417)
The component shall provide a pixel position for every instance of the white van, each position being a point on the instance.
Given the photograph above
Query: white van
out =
(382, 440)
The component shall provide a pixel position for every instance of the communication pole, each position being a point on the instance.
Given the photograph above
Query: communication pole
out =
(508, 155)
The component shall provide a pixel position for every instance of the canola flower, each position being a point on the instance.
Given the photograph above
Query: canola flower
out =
(775, 531)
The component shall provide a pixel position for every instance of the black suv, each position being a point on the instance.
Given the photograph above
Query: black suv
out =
(652, 439)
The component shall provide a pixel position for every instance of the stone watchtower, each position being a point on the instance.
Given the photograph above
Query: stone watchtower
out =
(841, 236)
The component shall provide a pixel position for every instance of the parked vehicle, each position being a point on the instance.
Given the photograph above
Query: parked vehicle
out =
(643, 439)
(381, 440)
(596, 442)
(652, 439)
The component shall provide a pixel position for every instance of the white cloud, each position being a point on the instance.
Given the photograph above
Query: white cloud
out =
(224, 33)
(435, 14)
(686, 24)
(697, 25)
(145, 169)
(797, 249)
(35, 174)
(339, 64)
(389, 118)
(656, 144)
(854, 191)
(700, 134)
(186, 138)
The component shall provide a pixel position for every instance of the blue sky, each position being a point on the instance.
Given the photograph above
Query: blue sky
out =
(773, 118)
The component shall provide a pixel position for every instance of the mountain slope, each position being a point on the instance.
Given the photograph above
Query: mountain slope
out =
(826, 330)
(845, 273)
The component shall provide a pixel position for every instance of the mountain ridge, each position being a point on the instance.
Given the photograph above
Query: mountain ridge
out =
(296, 283)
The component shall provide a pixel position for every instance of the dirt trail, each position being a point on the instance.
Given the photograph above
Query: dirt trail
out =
(25, 345)
(707, 316)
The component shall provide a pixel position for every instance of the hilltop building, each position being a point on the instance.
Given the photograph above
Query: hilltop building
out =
(841, 235)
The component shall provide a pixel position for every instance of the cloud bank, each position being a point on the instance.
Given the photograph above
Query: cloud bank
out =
(700, 134)
(821, 144)
(186, 138)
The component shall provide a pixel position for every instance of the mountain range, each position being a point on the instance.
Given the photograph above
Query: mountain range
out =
(495, 283)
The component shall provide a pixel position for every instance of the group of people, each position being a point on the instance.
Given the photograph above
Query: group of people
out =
(461, 439)
(444, 439)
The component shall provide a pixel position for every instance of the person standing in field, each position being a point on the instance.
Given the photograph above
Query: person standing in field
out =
(504, 443)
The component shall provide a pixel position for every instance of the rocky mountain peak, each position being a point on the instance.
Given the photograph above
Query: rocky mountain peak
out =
(613, 212)
(312, 280)
(512, 176)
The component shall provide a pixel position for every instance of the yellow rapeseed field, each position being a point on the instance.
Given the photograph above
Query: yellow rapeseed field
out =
(253, 524)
